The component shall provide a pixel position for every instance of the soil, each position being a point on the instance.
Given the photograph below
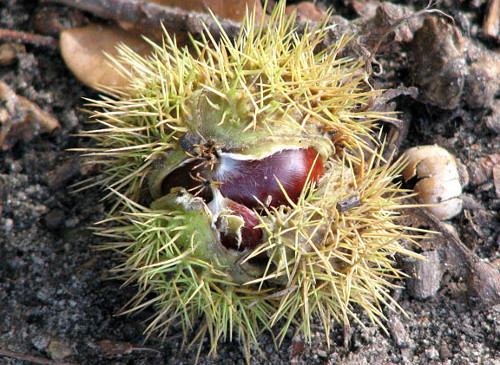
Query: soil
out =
(59, 302)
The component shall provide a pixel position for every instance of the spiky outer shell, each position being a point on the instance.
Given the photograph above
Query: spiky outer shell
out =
(271, 90)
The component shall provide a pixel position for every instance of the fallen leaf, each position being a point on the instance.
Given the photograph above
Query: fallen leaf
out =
(87, 50)
(307, 10)
(84, 51)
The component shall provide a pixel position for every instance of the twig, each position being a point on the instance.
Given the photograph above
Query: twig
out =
(348, 203)
(482, 279)
(32, 359)
(117, 348)
(491, 25)
(148, 15)
(7, 35)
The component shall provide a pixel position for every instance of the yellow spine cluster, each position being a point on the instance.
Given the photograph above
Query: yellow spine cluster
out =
(269, 90)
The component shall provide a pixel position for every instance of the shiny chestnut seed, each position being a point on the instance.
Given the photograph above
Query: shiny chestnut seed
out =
(248, 236)
(249, 182)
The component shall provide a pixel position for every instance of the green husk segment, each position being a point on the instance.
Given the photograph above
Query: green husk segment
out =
(264, 92)
(171, 253)
(268, 84)
(337, 261)
(323, 262)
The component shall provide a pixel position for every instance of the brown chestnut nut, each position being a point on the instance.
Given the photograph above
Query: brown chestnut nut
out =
(237, 227)
(249, 181)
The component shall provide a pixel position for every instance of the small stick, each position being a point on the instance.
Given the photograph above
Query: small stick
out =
(32, 359)
(7, 35)
(117, 348)
(491, 25)
(348, 203)
(482, 279)
(148, 15)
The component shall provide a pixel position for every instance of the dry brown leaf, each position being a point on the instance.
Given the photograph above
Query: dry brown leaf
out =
(307, 10)
(234, 10)
(84, 51)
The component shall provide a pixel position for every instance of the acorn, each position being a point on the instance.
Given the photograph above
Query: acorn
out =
(228, 168)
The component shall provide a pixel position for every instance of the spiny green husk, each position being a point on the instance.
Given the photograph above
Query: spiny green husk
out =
(267, 91)
(270, 85)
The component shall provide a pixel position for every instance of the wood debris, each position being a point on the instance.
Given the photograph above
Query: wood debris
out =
(20, 119)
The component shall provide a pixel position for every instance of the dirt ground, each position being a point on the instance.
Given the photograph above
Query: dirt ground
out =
(58, 301)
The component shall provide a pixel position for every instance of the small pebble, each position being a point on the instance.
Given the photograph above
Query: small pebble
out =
(481, 81)
(444, 352)
(54, 219)
(15, 166)
(8, 225)
(40, 342)
(432, 354)
(9, 52)
(398, 332)
(59, 350)
(496, 179)
(322, 353)
(71, 222)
